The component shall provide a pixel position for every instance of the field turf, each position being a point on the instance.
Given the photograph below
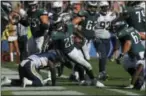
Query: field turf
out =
(118, 79)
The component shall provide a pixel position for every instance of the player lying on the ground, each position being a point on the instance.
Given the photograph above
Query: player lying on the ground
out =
(130, 41)
(28, 69)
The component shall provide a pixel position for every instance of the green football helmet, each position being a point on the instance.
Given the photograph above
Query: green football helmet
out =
(92, 6)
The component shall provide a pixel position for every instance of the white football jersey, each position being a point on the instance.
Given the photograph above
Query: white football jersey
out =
(103, 24)
(41, 60)
(128, 62)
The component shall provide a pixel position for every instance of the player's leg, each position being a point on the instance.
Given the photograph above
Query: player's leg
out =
(138, 77)
(53, 72)
(135, 69)
(85, 49)
(8, 81)
(75, 56)
(39, 43)
(102, 47)
(32, 76)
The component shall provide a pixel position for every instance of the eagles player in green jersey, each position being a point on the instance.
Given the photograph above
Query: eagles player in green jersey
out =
(130, 41)
(62, 37)
(135, 16)
(87, 20)
(38, 21)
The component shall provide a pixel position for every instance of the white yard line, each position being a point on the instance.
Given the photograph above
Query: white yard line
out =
(113, 90)
(122, 91)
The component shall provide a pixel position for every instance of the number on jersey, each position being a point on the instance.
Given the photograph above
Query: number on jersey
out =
(140, 14)
(135, 37)
(90, 25)
(68, 41)
(104, 25)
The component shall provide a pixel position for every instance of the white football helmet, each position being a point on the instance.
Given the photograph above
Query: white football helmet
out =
(57, 7)
(104, 7)
(104, 3)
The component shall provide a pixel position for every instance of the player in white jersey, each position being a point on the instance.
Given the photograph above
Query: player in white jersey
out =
(28, 69)
(102, 34)
(137, 67)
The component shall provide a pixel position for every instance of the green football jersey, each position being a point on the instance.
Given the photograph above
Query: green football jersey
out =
(136, 18)
(88, 25)
(64, 40)
(132, 35)
(34, 21)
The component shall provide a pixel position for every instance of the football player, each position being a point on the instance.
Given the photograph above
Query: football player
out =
(131, 45)
(28, 69)
(102, 34)
(63, 40)
(87, 20)
(38, 21)
(135, 16)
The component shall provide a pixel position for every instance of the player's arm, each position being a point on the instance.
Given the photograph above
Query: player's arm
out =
(44, 20)
(142, 35)
(79, 18)
(126, 46)
(53, 72)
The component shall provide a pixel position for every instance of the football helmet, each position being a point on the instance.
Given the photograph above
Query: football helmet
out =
(118, 25)
(104, 7)
(32, 5)
(92, 6)
(57, 7)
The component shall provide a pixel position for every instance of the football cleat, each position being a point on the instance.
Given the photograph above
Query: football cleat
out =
(26, 82)
(99, 84)
(84, 83)
(143, 87)
(103, 76)
(5, 81)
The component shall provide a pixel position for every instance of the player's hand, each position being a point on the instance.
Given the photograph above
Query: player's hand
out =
(118, 60)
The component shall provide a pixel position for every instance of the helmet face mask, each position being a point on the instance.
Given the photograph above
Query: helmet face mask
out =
(104, 7)
(57, 10)
(33, 6)
(92, 9)
(92, 6)
(57, 7)
(118, 26)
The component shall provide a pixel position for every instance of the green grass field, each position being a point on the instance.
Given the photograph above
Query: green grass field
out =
(118, 78)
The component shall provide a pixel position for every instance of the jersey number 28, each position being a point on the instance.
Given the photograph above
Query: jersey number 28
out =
(68, 41)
